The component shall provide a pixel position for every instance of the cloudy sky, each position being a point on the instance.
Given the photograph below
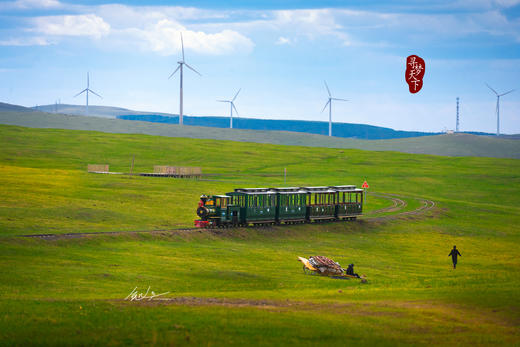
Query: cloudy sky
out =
(278, 52)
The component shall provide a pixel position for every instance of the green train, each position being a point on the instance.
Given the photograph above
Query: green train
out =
(265, 206)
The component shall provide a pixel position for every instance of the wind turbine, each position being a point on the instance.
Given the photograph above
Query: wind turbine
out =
(329, 102)
(231, 107)
(498, 106)
(181, 63)
(88, 90)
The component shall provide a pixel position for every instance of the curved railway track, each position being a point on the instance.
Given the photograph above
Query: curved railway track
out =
(398, 204)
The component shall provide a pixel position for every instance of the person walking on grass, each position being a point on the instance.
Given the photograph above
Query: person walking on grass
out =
(454, 253)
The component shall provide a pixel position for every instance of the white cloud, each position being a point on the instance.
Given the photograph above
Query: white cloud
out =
(283, 41)
(72, 25)
(29, 41)
(164, 37)
(37, 3)
(311, 23)
(157, 28)
(30, 4)
(129, 16)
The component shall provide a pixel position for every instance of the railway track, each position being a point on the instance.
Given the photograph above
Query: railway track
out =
(398, 204)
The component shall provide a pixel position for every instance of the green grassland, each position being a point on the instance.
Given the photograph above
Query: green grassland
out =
(446, 145)
(245, 286)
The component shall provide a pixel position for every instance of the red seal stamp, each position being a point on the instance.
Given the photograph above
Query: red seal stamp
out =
(414, 73)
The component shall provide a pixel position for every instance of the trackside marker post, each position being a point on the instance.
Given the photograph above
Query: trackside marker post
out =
(365, 186)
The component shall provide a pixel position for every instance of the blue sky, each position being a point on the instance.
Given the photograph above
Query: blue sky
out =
(278, 52)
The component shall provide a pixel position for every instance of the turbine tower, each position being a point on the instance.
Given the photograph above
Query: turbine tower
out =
(231, 107)
(457, 123)
(498, 106)
(329, 102)
(86, 90)
(181, 63)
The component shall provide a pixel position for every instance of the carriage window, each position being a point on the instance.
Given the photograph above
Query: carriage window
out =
(224, 202)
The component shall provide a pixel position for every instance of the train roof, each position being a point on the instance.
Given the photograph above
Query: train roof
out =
(251, 190)
(266, 192)
(297, 190)
(288, 190)
(322, 189)
(293, 192)
(344, 187)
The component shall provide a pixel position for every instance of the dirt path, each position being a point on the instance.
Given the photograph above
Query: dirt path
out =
(398, 204)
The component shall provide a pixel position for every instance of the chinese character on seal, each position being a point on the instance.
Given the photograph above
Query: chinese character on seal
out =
(414, 74)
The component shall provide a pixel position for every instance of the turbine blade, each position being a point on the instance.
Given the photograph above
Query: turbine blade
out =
(83, 91)
(324, 107)
(223, 101)
(236, 95)
(233, 105)
(173, 73)
(192, 69)
(339, 99)
(182, 45)
(512, 90)
(328, 90)
(494, 91)
(93, 92)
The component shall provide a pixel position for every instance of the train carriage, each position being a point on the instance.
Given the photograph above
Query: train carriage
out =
(256, 205)
(321, 203)
(349, 201)
(291, 204)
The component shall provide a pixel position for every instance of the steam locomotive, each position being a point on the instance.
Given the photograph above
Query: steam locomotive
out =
(245, 206)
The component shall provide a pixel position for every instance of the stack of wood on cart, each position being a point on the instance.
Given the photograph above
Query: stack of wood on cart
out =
(325, 265)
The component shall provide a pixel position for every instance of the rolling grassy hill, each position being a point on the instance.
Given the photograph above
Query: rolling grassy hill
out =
(361, 131)
(448, 145)
(245, 286)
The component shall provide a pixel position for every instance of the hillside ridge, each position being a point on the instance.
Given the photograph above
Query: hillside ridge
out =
(455, 145)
